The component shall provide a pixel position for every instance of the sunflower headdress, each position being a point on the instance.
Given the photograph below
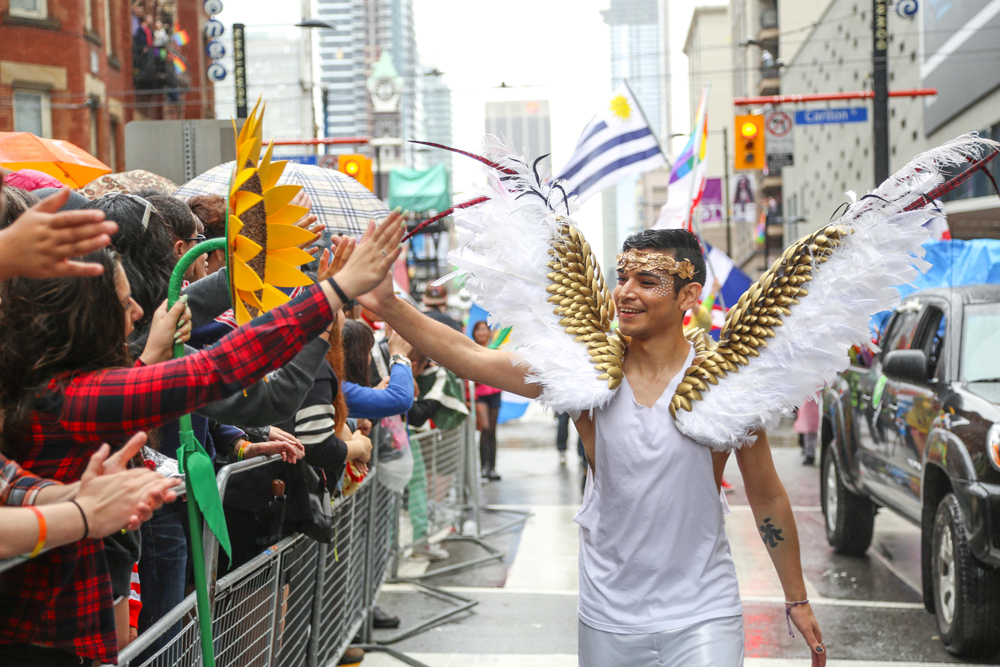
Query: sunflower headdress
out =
(263, 240)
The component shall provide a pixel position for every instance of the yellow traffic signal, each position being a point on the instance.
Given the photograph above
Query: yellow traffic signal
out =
(749, 143)
(358, 167)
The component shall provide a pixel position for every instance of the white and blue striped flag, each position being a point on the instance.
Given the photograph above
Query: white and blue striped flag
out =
(616, 143)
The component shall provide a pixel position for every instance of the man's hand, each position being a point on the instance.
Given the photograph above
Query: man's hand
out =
(168, 327)
(803, 618)
(383, 294)
(399, 346)
(40, 243)
(371, 260)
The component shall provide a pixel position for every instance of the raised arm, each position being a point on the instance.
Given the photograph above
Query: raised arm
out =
(449, 348)
(776, 527)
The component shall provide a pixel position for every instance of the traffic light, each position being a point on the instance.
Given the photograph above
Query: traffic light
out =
(358, 167)
(749, 142)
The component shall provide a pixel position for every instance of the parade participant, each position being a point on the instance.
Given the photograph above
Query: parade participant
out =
(57, 412)
(664, 591)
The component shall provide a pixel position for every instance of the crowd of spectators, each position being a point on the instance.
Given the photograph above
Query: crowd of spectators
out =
(86, 358)
(154, 49)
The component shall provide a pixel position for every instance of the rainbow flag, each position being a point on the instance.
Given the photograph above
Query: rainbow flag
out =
(688, 175)
(179, 65)
(181, 38)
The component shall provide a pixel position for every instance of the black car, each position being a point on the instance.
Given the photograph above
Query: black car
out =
(915, 428)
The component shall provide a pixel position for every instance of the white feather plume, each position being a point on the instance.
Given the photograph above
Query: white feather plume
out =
(881, 250)
(505, 252)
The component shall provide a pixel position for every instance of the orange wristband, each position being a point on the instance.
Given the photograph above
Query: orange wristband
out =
(42, 532)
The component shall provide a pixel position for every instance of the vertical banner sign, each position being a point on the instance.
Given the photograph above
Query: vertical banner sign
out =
(880, 86)
(240, 69)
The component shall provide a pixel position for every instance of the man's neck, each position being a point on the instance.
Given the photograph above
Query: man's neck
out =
(665, 352)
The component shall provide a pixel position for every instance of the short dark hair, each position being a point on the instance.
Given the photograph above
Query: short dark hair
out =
(176, 215)
(683, 244)
(211, 210)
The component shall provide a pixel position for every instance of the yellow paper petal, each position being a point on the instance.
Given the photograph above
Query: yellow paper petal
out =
(242, 316)
(287, 236)
(279, 274)
(240, 179)
(279, 196)
(247, 130)
(233, 227)
(274, 174)
(250, 299)
(245, 200)
(273, 297)
(288, 215)
(244, 278)
(290, 256)
(245, 249)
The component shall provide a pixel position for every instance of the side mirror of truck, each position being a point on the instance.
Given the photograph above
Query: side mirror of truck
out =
(906, 366)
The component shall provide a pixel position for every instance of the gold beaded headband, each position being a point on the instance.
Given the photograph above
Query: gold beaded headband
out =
(654, 262)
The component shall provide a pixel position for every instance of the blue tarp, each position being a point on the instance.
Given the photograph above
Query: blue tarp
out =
(954, 263)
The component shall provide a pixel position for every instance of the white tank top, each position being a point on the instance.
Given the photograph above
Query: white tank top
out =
(653, 549)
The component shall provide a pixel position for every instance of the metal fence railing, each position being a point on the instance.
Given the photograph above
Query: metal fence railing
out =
(301, 603)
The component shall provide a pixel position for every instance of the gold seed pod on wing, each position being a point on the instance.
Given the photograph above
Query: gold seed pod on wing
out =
(613, 383)
(684, 403)
(616, 372)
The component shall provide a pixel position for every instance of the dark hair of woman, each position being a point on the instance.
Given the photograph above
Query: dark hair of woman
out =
(53, 326)
(147, 254)
(16, 202)
(211, 210)
(335, 357)
(358, 342)
(176, 216)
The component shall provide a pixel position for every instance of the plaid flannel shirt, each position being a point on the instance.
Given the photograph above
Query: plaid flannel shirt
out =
(63, 598)
(18, 487)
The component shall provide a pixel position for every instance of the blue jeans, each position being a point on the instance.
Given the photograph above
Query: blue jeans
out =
(162, 570)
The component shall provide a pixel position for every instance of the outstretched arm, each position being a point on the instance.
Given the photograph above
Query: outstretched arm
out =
(776, 526)
(449, 348)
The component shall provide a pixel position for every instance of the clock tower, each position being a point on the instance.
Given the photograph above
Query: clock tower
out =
(385, 88)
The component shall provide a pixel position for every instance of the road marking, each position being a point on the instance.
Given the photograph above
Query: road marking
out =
(569, 660)
(768, 599)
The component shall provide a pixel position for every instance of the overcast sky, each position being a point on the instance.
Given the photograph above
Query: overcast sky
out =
(557, 50)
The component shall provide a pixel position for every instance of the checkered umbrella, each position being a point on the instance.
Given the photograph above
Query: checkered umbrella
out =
(339, 201)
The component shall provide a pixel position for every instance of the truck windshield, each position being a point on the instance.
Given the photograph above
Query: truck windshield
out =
(980, 343)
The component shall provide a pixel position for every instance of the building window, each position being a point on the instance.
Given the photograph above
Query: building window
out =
(32, 9)
(108, 31)
(113, 146)
(32, 112)
(93, 131)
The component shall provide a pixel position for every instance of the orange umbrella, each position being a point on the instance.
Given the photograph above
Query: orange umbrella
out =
(71, 164)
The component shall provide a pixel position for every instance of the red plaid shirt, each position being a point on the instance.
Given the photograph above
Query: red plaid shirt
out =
(63, 598)
(18, 487)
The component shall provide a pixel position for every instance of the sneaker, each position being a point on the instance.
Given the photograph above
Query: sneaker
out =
(493, 475)
(562, 458)
(352, 656)
(727, 487)
(809, 460)
(383, 620)
(429, 552)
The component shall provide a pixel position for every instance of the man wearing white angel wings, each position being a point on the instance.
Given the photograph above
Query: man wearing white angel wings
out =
(657, 581)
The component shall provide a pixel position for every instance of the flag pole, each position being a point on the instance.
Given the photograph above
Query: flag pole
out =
(642, 113)
(700, 130)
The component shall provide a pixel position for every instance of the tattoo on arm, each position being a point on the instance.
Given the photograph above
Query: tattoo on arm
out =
(771, 535)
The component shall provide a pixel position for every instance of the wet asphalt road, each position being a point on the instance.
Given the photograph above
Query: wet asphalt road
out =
(870, 608)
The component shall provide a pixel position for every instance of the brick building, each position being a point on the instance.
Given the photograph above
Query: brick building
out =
(66, 71)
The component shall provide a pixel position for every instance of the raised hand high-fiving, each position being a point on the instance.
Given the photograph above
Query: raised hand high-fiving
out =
(369, 260)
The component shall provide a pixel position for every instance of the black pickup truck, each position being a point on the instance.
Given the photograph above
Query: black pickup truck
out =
(916, 429)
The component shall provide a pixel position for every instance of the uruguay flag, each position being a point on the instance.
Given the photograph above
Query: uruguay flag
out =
(688, 176)
(617, 142)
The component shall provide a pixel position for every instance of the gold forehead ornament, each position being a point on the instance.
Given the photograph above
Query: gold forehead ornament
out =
(654, 262)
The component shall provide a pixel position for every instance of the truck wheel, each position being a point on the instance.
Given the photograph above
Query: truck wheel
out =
(850, 518)
(966, 591)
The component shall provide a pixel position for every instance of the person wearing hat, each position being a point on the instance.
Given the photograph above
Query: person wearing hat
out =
(436, 303)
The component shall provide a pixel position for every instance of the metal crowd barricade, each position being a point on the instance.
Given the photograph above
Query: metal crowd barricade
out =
(300, 603)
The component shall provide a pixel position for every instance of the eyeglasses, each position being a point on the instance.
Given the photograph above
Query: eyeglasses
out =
(199, 238)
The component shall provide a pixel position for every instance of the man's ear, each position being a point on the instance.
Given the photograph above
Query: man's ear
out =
(689, 295)
(179, 248)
